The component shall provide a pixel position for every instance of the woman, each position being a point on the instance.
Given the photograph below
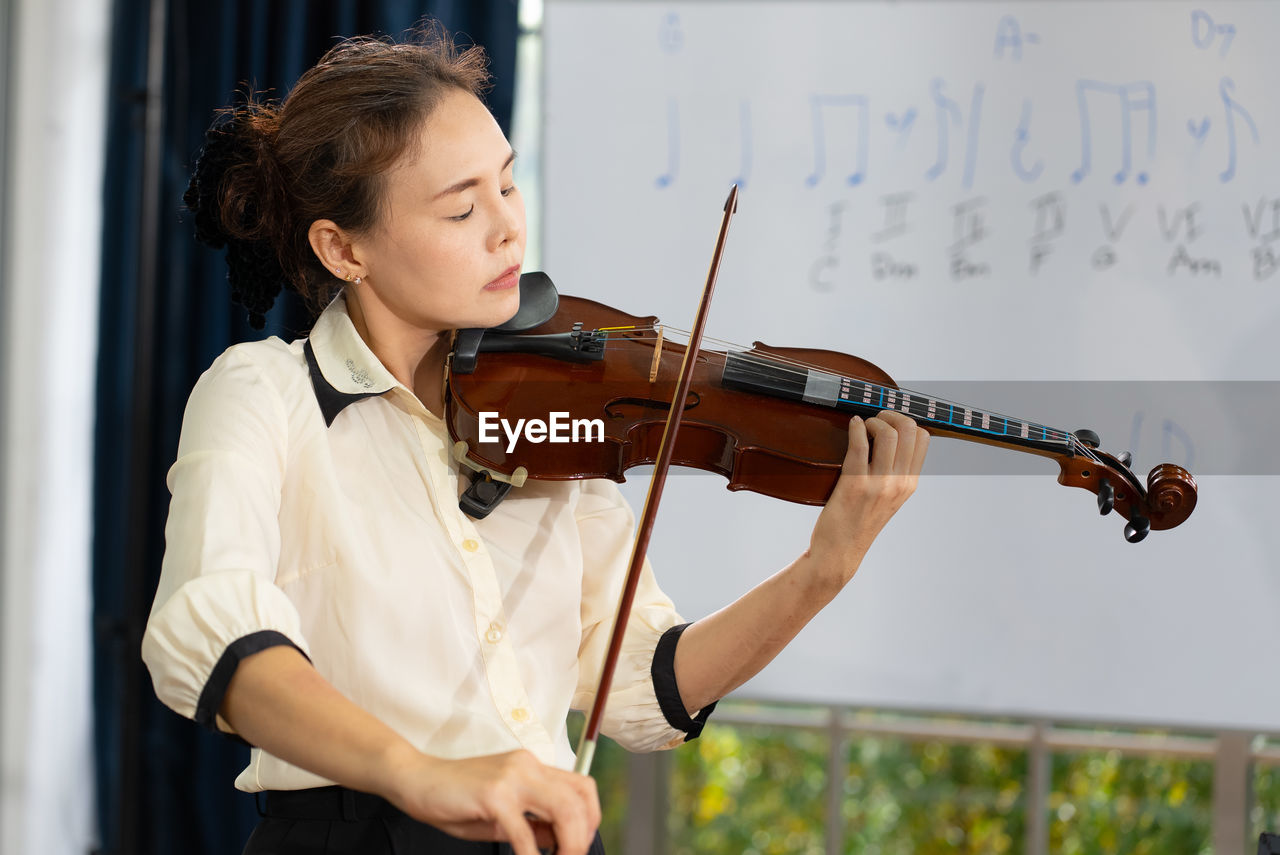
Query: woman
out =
(404, 671)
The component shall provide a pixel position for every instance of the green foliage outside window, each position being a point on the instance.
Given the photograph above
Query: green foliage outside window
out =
(1264, 813)
(761, 789)
(930, 797)
(755, 790)
(1105, 802)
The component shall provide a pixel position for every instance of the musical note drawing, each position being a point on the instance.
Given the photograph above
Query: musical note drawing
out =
(902, 123)
(1171, 430)
(818, 104)
(1135, 432)
(673, 146)
(1232, 107)
(1020, 140)
(1198, 130)
(744, 126)
(948, 112)
(1140, 95)
(971, 150)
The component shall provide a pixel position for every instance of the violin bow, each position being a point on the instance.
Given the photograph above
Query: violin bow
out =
(591, 733)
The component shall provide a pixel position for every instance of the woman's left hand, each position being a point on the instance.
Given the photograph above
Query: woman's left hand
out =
(723, 650)
(880, 472)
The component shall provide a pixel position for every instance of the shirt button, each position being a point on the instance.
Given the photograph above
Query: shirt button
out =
(520, 714)
(470, 545)
(494, 635)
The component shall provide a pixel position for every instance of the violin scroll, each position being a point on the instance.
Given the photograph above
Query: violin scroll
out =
(1166, 499)
(1172, 490)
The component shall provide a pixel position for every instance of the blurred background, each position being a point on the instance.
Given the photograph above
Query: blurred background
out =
(1129, 707)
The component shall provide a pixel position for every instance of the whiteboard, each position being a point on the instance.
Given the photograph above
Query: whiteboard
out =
(1063, 211)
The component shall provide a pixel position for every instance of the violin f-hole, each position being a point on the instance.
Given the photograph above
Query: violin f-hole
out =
(611, 409)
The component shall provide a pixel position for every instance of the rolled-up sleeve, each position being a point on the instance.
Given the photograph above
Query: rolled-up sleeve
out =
(644, 711)
(217, 601)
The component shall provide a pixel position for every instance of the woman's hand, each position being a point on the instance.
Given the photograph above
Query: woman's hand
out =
(723, 650)
(881, 468)
(510, 797)
(279, 702)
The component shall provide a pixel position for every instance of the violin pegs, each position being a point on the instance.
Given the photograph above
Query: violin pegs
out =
(1138, 528)
(1088, 437)
(1125, 458)
(1106, 496)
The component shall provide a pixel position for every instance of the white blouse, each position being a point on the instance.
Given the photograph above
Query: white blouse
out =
(317, 505)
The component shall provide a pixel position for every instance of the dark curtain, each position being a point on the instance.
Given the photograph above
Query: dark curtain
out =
(164, 785)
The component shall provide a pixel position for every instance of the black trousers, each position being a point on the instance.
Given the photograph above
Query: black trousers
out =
(337, 820)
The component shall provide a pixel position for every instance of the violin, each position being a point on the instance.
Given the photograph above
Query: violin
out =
(773, 420)
(769, 419)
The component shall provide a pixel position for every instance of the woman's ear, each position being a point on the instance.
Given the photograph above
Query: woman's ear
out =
(335, 249)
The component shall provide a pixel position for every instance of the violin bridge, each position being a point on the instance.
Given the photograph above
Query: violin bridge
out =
(657, 357)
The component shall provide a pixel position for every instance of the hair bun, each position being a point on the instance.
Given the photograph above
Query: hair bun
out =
(234, 192)
(253, 269)
(202, 197)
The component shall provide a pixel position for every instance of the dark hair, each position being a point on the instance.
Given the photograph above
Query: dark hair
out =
(268, 170)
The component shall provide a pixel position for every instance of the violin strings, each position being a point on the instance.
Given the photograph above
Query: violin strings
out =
(771, 364)
(778, 363)
(798, 368)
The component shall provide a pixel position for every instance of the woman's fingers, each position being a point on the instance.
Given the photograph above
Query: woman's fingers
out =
(884, 444)
(897, 444)
(921, 450)
(570, 811)
(885, 457)
(518, 831)
(511, 797)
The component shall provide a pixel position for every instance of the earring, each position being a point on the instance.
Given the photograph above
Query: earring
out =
(337, 271)
(358, 281)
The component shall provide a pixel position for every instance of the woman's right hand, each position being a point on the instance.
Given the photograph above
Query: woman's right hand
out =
(511, 797)
(277, 701)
